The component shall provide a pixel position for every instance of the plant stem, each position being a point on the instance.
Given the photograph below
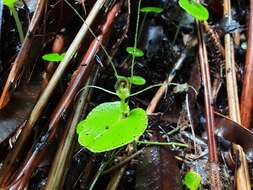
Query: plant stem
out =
(136, 37)
(99, 172)
(97, 87)
(142, 26)
(162, 143)
(18, 24)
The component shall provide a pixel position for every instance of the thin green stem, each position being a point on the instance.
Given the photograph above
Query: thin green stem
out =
(136, 36)
(142, 26)
(18, 24)
(94, 35)
(162, 143)
(157, 85)
(98, 174)
(145, 89)
(97, 87)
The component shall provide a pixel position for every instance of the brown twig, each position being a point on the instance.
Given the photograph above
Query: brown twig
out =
(247, 90)
(157, 97)
(61, 161)
(213, 158)
(241, 173)
(23, 55)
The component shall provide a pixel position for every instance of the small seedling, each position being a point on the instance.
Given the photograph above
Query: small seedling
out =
(135, 51)
(53, 57)
(192, 180)
(112, 125)
(195, 9)
(151, 10)
(10, 4)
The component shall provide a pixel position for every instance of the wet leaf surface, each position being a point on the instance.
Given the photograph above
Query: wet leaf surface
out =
(105, 128)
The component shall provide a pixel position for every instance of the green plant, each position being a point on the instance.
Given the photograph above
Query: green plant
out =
(195, 9)
(135, 51)
(10, 4)
(192, 180)
(111, 125)
(53, 57)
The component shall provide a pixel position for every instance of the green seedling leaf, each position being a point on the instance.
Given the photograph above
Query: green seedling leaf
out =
(151, 9)
(197, 10)
(192, 180)
(9, 3)
(137, 80)
(105, 128)
(54, 57)
(135, 51)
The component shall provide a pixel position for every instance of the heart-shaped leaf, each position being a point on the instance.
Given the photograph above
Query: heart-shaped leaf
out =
(151, 9)
(192, 180)
(135, 51)
(105, 128)
(137, 80)
(197, 10)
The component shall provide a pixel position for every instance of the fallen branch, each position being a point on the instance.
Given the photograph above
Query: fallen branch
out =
(247, 89)
(241, 173)
(24, 54)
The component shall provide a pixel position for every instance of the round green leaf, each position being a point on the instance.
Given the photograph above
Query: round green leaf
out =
(54, 57)
(135, 51)
(151, 9)
(192, 180)
(105, 128)
(9, 3)
(197, 10)
(137, 80)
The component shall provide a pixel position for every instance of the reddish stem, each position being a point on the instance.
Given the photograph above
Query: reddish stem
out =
(213, 158)
(247, 90)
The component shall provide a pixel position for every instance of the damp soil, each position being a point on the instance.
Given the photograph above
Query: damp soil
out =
(178, 117)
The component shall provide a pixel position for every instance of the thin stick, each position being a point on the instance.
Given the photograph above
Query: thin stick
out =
(18, 24)
(213, 157)
(61, 161)
(163, 143)
(23, 55)
(232, 92)
(157, 97)
(123, 162)
(241, 173)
